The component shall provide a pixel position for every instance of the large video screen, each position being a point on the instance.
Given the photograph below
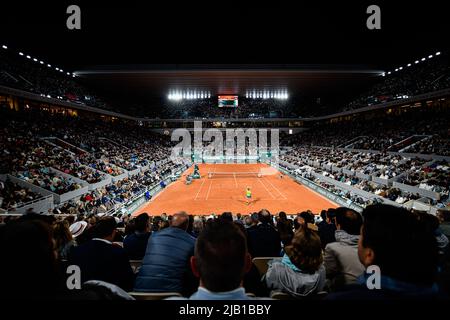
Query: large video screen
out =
(228, 101)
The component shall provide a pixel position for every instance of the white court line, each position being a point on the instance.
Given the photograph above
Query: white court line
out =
(235, 181)
(210, 184)
(209, 190)
(265, 187)
(281, 194)
(198, 192)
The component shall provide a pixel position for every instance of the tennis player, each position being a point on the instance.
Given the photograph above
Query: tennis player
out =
(248, 195)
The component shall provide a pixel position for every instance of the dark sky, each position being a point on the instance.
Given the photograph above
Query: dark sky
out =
(148, 32)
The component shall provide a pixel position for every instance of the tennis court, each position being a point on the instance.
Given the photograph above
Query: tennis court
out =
(222, 188)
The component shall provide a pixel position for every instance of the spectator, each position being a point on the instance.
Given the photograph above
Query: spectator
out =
(165, 267)
(301, 272)
(392, 238)
(327, 228)
(64, 241)
(99, 259)
(444, 219)
(221, 260)
(136, 243)
(341, 257)
(263, 239)
(285, 228)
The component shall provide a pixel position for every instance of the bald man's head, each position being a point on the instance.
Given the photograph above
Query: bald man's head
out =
(180, 220)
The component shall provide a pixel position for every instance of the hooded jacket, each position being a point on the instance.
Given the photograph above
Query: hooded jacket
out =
(286, 277)
(341, 260)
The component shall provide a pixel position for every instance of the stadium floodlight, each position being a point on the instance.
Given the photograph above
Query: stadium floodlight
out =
(401, 68)
(35, 60)
(28, 57)
(61, 70)
(396, 70)
(389, 72)
(4, 47)
(430, 56)
(57, 69)
(423, 59)
(409, 64)
(416, 62)
(41, 62)
(437, 53)
(49, 65)
(20, 53)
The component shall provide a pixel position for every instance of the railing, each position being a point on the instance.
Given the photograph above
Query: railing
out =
(40, 205)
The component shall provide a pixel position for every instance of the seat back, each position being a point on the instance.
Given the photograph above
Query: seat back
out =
(261, 263)
(153, 295)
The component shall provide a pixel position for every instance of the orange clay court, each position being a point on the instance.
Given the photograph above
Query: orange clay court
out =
(226, 192)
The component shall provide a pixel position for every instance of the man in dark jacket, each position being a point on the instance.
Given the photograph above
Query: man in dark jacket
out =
(100, 259)
(135, 244)
(264, 239)
(165, 267)
(402, 254)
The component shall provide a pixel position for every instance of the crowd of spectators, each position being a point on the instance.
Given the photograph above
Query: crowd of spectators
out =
(412, 171)
(210, 257)
(13, 195)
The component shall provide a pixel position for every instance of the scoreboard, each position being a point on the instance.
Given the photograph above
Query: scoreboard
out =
(228, 101)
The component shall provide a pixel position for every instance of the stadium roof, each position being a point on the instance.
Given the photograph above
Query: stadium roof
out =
(130, 50)
(159, 80)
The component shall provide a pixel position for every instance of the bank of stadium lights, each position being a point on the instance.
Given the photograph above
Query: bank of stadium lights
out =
(40, 61)
(415, 62)
(178, 95)
(264, 94)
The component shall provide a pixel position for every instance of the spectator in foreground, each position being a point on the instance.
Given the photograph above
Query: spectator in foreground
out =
(263, 239)
(404, 249)
(165, 267)
(221, 260)
(444, 220)
(135, 244)
(29, 268)
(300, 273)
(100, 259)
(341, 257)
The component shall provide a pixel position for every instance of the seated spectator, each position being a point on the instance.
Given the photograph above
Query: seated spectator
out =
(99, 259)
(165, 267)
(301, 272)
(136, 243)
(64, 241)
(221, 260)
(393, 238)
(285, 229)
(29, 269)
(263, 239)
(327, 227)
(444, 219)
(341, 257)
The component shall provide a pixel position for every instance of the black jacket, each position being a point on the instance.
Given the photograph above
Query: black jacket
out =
(99, 260)
(263, 241)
